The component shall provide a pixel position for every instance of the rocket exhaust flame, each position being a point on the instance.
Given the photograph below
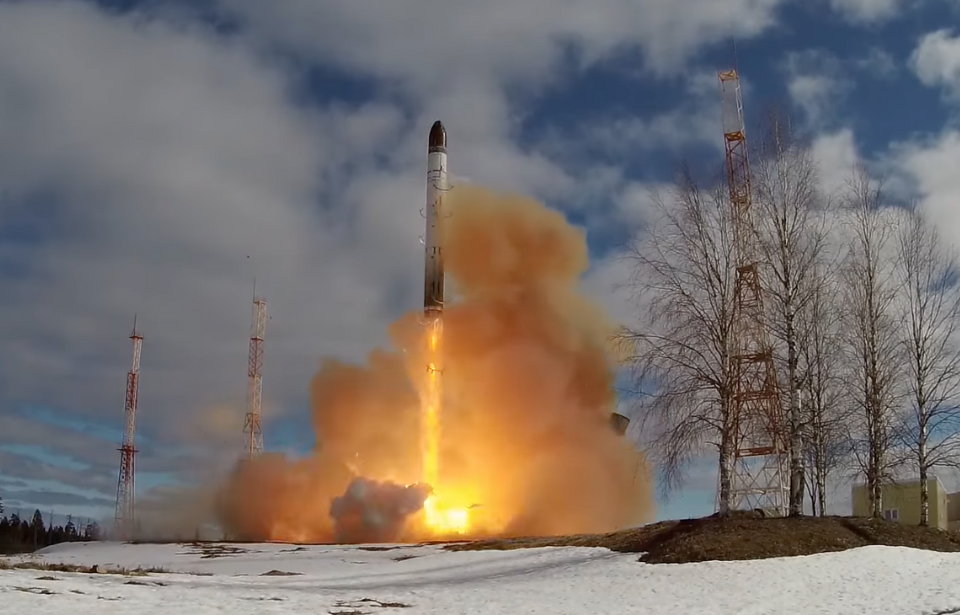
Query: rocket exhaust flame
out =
(430, 412)
(503, 397)
(437, 516)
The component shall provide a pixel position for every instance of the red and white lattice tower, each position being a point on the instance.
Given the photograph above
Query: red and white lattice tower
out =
(759, 472)
(124, 517)
(252, 433)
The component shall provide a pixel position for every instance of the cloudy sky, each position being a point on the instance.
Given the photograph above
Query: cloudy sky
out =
(157, 156)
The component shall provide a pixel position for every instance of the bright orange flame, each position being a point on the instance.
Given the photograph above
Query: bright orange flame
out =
(440, 517)
(445, 520)
(430, 419)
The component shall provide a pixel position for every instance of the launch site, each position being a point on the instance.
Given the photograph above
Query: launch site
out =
(511, 307)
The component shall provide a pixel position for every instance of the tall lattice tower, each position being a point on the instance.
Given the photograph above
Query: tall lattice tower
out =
(759, 473)
(252, 433)
(124, 517)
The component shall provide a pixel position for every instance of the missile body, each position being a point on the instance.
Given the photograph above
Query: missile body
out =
(433, 240)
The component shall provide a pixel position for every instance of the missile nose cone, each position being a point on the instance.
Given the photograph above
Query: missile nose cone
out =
(438, 137)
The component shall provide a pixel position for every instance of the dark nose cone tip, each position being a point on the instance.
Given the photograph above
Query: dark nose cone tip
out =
(438, 137)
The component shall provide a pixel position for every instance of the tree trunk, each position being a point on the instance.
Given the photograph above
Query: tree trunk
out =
(796, 447)
(875, 482)
(819, 464)
(924, 498)
(726, 473)
(924, 466)
(822, 488)
(923, 463)
(813, 499)
(795, 421)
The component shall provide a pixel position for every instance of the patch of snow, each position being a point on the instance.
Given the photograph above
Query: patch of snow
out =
(557, 581)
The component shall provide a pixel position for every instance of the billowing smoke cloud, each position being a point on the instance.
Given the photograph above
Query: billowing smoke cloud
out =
(528, 376)
(372, 511)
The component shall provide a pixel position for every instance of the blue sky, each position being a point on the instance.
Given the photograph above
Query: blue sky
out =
(147, 149)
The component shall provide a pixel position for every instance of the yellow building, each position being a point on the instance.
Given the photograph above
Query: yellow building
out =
(953, 511)
(901, 502)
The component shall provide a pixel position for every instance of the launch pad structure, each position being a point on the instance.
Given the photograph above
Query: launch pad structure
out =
(124, 521)
(252, 428)
(758, 480)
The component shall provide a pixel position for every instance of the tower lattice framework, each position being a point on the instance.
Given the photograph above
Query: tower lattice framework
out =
(252, 432)
(125, 514)
(759, 465)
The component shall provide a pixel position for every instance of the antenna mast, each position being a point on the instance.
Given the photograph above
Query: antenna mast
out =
(252, 433)
(759, 436)
(124, 517)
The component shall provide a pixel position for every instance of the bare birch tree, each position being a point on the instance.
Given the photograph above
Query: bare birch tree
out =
(790, 223)
(928, 272)
(871, 331)
(684, 278)
(825, 411)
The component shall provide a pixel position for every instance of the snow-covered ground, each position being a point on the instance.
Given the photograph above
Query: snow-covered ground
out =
(413, 580)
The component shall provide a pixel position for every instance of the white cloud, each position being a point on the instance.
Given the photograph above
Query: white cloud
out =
(814, 94)
(633, 210)
(477, 61)
(816, 84)
(154, 159)
(870, 11)
(693, 122)
(431, 42)
(933, 166)
(675, 130)
(837, 156)
(608, 281)
(818, 81)
(936, 61)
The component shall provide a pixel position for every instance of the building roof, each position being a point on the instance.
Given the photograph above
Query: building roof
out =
(908, 482)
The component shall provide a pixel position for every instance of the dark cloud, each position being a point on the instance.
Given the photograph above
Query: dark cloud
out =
(58, 500)
(99, 458)
(58, 440)
(28, 468)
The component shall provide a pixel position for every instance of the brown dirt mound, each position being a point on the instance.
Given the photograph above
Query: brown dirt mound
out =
(740, 537)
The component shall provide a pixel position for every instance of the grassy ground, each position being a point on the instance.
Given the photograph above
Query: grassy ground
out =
(743, 536)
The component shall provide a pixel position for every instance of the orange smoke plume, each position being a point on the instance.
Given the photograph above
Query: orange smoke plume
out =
(528, 377)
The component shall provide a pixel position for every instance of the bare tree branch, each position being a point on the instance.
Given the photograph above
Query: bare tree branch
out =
(928, 272)
(791, 223)
(871, 332)
(681, 348)
(827, 442)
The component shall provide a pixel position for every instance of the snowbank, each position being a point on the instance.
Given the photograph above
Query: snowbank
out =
(558, 580)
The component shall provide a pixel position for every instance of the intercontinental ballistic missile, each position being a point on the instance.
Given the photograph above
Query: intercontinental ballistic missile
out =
(433, 240)
(437, 188)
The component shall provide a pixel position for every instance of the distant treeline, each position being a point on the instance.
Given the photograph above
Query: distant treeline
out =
(21, 536)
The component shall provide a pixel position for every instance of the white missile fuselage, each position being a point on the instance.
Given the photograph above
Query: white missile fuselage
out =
(433, 239)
